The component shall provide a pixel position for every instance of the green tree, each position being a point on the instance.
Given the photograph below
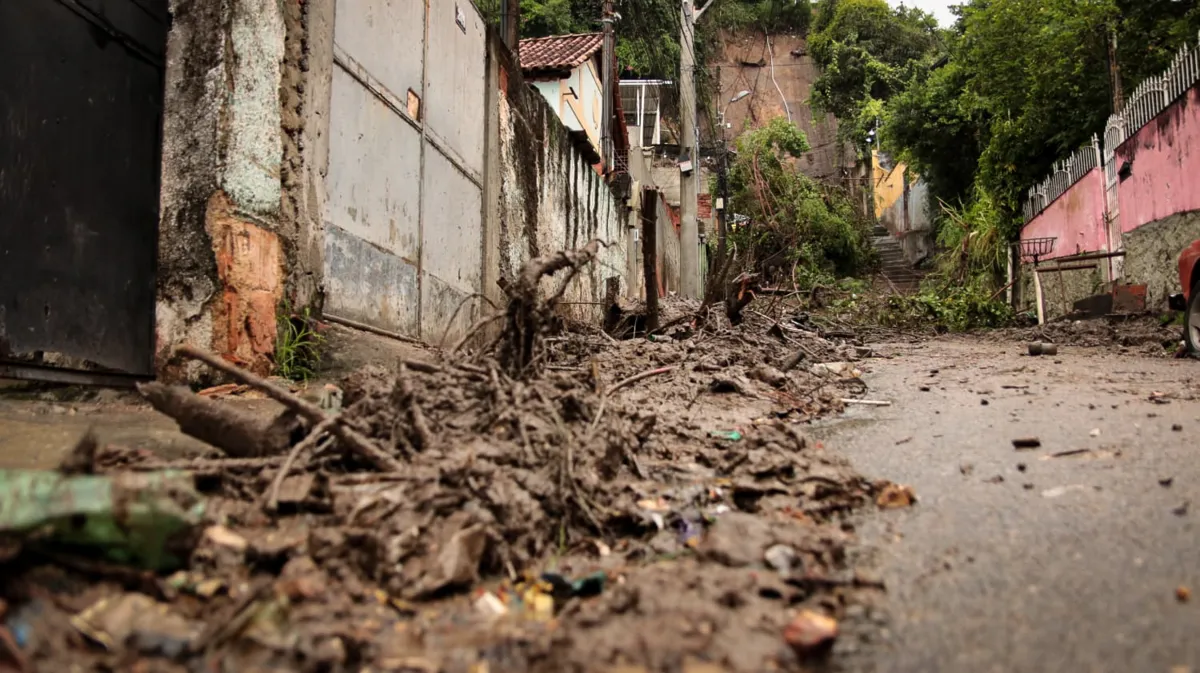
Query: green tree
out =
(793, 220)
(868, 52)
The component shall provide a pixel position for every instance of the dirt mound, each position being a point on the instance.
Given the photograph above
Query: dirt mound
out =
(1145, 333)
(557, 501)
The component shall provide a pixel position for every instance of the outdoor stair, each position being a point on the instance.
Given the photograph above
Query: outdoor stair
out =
(894, 268)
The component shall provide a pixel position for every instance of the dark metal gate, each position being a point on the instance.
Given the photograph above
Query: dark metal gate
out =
(81, 93)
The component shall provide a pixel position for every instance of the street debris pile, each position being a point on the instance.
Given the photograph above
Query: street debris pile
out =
(555, 501)
(1147, 334)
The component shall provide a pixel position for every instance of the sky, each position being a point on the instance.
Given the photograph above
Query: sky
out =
(938, 8)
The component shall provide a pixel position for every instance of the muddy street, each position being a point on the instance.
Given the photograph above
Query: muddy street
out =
(1067, 556)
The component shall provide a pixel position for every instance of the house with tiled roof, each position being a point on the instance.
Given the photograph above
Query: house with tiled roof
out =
(566, 71)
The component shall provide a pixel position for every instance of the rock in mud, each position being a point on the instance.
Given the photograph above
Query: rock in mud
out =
(895, 496)
(737, 540)
(811, 633)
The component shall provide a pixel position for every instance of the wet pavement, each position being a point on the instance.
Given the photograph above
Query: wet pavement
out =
(1018, 560)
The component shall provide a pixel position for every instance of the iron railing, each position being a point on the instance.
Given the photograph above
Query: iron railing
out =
(1148, 100)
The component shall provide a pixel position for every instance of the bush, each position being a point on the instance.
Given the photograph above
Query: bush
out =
(796, 227)
(953, 308)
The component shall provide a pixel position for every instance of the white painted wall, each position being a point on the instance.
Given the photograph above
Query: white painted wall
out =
(403, 217)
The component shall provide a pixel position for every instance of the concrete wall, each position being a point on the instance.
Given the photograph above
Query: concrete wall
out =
(1077, 219)
(404, 214)
(1061, 290)
(1152, 255)
(668, 250)
(1164, 162)
(744, 64)
(549, 197)
(224, 238)
(316, 155)
(902, 206)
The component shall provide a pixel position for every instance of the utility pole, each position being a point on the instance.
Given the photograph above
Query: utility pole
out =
(1114, 71)
(609, 56)
(510, 24)
(689, 144)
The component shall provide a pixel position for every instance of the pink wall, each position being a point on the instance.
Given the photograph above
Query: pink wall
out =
(1165, 179)
(1076, 219)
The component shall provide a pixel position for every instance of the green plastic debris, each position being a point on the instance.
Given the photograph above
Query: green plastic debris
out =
(143, 519)
(731, 435)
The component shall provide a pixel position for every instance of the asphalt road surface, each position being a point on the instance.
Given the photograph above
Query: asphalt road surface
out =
(1020, 560)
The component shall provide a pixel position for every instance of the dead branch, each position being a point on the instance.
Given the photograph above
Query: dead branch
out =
(621, 384)
(360, 445)
(419, 423)
(238, 433)
(474, 329)
(204, 465)
(527, 316)
(306, 444)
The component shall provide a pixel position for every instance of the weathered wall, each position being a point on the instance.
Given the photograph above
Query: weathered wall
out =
(917, 238)
(1076, 219)
(902, 206)
(551, 199)
(668, 250)
(1152, 255)
(1163, 161)
(404, 215)
(222, 239)
(1061, 290)
(745, 65)
(577, 99)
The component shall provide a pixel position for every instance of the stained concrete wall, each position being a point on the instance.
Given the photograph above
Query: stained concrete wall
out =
(1152, 255)
(1077, 219)
(668, 250)
(316, 156)
(223, 239)
(549, 197)
(1060, 290)
(404, 213)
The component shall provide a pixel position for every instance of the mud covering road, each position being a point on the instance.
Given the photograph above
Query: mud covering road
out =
(1020, 560)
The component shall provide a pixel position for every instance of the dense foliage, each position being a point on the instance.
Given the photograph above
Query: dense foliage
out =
(982, 110)
(867, 52)
(794, 222)
(1020, 84)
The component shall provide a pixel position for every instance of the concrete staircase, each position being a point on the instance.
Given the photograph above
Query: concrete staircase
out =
(894, 268)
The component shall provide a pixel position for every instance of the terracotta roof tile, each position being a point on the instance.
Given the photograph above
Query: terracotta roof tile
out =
(559, 52)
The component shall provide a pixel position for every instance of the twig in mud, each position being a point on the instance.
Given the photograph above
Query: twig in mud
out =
(420, 424)
(213, 465)
(360, 445)
(567, 472)
(638, 377)
(796, 358)
(617, 386)
(475, 329)
(307, 443)
(461, 303)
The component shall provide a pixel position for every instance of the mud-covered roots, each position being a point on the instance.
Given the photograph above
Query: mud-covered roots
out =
(528, 316)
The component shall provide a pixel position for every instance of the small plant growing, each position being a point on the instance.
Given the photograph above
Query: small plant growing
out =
(297, 346)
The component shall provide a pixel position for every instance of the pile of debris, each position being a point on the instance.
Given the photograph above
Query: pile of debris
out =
(555, 501)
(1146, 333)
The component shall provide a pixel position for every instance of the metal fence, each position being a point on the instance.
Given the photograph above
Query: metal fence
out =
(1066, 173)
(1149, 99)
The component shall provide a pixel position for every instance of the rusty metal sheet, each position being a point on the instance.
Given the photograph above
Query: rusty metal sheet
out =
(1129, 298)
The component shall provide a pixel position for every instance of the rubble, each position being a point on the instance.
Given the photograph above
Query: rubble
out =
(532, 504)
(1146, 333)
